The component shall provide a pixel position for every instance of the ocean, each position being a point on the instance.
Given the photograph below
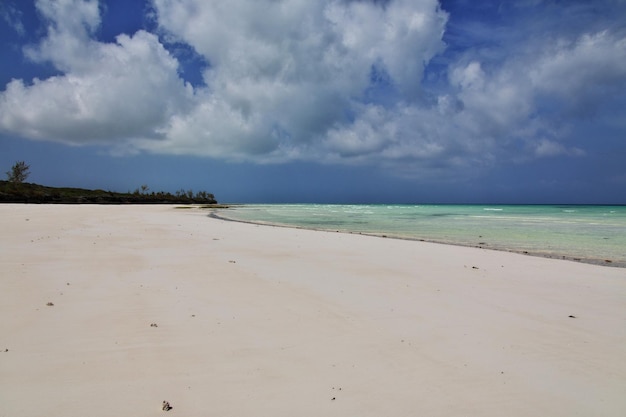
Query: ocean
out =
(585, 233)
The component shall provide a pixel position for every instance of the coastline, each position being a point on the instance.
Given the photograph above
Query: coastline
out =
(254, 320)
(591, 261)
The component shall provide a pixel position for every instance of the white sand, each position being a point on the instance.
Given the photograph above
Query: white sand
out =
(265, 321)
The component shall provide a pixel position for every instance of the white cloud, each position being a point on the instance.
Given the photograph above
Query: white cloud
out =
(539, 90)
(109, 93)
(70, 25)
(286, 85)
(292, 79)
(584, 72)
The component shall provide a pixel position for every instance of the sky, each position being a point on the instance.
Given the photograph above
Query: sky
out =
(326, 101)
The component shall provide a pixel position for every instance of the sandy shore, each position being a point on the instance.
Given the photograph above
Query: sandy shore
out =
(153, 303)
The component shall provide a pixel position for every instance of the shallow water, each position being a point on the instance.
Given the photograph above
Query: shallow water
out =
(595, 234)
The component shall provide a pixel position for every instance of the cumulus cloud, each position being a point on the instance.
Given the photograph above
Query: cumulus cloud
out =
(108, 93)
(584, 72)
(131, 93)
(278, 86)
(530, 99)
(339, 81)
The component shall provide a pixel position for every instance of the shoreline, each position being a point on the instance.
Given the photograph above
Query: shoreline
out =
(115, 309)
(590, 261)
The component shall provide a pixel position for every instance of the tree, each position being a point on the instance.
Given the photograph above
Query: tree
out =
(18, 173)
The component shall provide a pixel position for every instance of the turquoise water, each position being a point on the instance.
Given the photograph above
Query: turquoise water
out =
(595, 234)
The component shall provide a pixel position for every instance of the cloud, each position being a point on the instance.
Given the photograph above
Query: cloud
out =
(529, 97)
(70, 25)
(278, 86)
(109, 92)
(548, 148)
(12, 17)
(583, 73)
(335, 81)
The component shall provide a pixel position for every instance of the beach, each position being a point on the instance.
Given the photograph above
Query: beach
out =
(111, 310)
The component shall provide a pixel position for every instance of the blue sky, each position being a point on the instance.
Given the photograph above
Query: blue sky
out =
(410, 101)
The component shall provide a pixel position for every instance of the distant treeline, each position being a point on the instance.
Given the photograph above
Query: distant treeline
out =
(16, 192)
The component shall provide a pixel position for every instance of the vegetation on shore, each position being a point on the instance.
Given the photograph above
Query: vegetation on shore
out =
(15, 190)
(35, 193)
